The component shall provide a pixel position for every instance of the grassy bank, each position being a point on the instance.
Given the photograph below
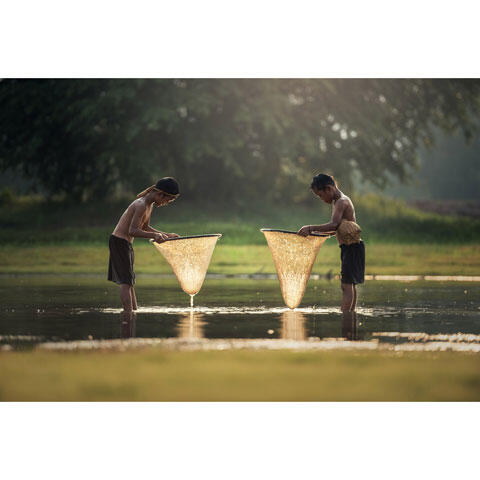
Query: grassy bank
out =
(397, 259)
(153, 375)
(28, 221)
(53, 237)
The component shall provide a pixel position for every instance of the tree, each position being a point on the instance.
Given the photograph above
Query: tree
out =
(230, 139)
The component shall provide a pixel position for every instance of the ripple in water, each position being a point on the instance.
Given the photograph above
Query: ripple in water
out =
(368, 312)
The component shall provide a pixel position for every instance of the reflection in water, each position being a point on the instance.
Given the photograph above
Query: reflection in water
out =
(128, 325)
(191, 326)
(423, 316)
(350, 326)
(293, 326)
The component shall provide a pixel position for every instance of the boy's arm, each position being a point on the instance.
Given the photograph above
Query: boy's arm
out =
(148, 228)
(135, 229)
(330, 227)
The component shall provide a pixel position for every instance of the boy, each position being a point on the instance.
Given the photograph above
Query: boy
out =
(343, 224)
(135, 222)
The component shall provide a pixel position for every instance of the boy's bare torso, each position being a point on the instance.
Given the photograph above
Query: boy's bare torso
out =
(123, 225)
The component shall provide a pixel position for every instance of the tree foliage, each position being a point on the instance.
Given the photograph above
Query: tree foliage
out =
(232, 139)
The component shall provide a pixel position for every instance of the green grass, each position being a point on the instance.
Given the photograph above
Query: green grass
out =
(41, 237)
(397, 259)
(31, 220)
(155, 375)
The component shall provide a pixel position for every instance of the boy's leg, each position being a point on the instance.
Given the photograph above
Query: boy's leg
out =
(348, 297)
(126, 297)
(134, 298)
(354, 302)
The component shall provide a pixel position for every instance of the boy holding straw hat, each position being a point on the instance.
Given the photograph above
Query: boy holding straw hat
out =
(343, 224)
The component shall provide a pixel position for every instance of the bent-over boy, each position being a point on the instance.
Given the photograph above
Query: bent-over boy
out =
(135, 222)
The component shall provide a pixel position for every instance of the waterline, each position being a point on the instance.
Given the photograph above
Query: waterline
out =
(312, 344)
(261, 276)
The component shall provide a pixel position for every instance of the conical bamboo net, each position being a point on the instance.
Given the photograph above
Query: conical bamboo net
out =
(293, 256)
(189, 258)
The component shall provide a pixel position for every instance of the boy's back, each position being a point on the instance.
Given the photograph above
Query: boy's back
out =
(139, 207)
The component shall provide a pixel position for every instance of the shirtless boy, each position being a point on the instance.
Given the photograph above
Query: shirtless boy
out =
(343, 224)
(135, 222)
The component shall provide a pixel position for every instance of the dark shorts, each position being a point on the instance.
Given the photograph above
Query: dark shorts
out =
(120, 265)
(353, 263)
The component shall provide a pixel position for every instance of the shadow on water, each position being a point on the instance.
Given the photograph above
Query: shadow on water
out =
(38, 310)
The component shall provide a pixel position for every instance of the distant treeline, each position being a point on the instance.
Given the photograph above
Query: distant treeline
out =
(239, 140)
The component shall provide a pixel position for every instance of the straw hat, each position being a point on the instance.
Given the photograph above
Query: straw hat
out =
(348, 232)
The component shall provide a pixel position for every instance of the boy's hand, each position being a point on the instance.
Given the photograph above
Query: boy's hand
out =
(304, 231)
(160, 237)
(172, 235)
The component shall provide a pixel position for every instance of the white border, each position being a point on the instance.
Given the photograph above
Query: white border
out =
(239, 440)
(251, 38)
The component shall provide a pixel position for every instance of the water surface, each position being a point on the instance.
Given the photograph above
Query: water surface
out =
(44, 309)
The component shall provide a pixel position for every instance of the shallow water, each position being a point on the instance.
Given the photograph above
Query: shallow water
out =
(82, 309)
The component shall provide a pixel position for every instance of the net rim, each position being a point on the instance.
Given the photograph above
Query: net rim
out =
(295, 233)
(218, 235)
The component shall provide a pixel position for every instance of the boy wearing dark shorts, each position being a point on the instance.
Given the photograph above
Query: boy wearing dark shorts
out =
(343, 224)
(135, 222)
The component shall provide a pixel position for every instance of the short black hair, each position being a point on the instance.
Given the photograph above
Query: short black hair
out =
(168, 185)
(321, 180)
